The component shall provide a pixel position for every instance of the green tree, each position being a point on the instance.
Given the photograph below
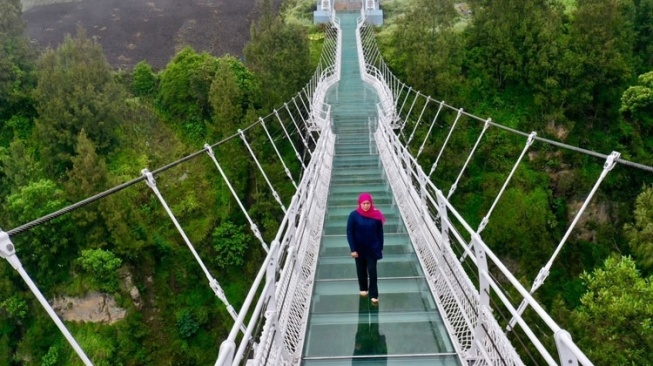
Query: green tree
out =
(226, 98)
(279, 54)
(143, 79)
(518, 228)
(19, 165)
(51, 358)
(186, 323)
(428, 49)
(87, 177)
(15, 306)
(230, 243)
(614, 320)
(184, 87)
(513, 42)
(636, 123)
(644, 35)
(640, 232)
(637, 103)
(75, 91)
(101, 265)
(45, 249)
(16, 69)
(599, 62)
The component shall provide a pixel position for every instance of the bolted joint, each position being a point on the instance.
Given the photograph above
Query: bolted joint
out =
(255, 230)
(541, 276)
(611, 161)
(215, 286)
(149, 178)
(209, 150)
(567, 356)
(483, 224)
(531, 138)
(8, 250)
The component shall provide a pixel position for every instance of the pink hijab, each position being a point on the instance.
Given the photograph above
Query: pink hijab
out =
(372, 213)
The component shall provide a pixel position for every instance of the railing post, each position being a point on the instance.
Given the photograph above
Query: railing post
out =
(444, 221)
(483, 293)
(422, 191)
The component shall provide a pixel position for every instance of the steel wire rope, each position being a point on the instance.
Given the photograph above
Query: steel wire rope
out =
(559, 144)
(547, 141)
(542, 139)
(31, 224)
(472, 273)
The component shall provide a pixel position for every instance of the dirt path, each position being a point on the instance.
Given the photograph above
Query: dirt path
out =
(153, 30)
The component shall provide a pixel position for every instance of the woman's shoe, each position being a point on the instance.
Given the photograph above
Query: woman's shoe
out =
(363, 293)
(375, 301)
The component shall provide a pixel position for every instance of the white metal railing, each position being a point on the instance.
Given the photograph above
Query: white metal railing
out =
(278, 299)
(269, 327)
(282, 302)
(432, 223)
(329, 75)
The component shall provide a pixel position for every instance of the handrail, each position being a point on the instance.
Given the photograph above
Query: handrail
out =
(426, 208)
(273, 283)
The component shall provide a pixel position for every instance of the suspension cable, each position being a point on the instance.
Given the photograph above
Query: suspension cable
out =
(213, 283)
(265, 176)
(435, 164)
(285, 168)
(290, 140)
(428, 99)
(253, 226)
(428, 133)
(469, 158)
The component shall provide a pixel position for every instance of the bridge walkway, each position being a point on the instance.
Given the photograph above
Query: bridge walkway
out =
(405, 328)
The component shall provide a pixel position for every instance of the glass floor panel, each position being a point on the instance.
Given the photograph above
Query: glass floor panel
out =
(344, 267)
(372, 331)
(435, 360)
(398, 295)
(405, 327)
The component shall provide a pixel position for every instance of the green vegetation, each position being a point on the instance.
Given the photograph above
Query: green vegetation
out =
(101, 266)
(614, 319)
(576, 72)
(72, 127)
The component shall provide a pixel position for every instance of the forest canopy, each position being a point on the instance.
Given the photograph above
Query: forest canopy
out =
(72, 126)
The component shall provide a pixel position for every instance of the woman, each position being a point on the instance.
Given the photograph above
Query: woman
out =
(365, 237)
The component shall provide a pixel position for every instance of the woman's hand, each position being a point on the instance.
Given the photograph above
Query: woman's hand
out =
(354, 254)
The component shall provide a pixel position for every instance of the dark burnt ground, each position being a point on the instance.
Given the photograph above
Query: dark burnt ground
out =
(153, 30)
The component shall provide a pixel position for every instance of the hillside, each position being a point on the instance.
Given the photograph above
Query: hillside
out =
(134, 30)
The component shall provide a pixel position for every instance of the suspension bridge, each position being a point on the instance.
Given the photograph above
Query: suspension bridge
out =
(352, 128)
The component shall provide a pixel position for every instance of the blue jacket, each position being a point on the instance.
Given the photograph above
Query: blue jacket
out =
(365, 236)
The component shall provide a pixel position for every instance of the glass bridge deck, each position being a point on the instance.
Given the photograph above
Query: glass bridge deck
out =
(405, 328)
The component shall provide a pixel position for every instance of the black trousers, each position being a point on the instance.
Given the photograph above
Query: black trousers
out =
(367, 277)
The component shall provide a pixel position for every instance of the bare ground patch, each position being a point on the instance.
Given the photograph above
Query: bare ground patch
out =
(153, 30)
